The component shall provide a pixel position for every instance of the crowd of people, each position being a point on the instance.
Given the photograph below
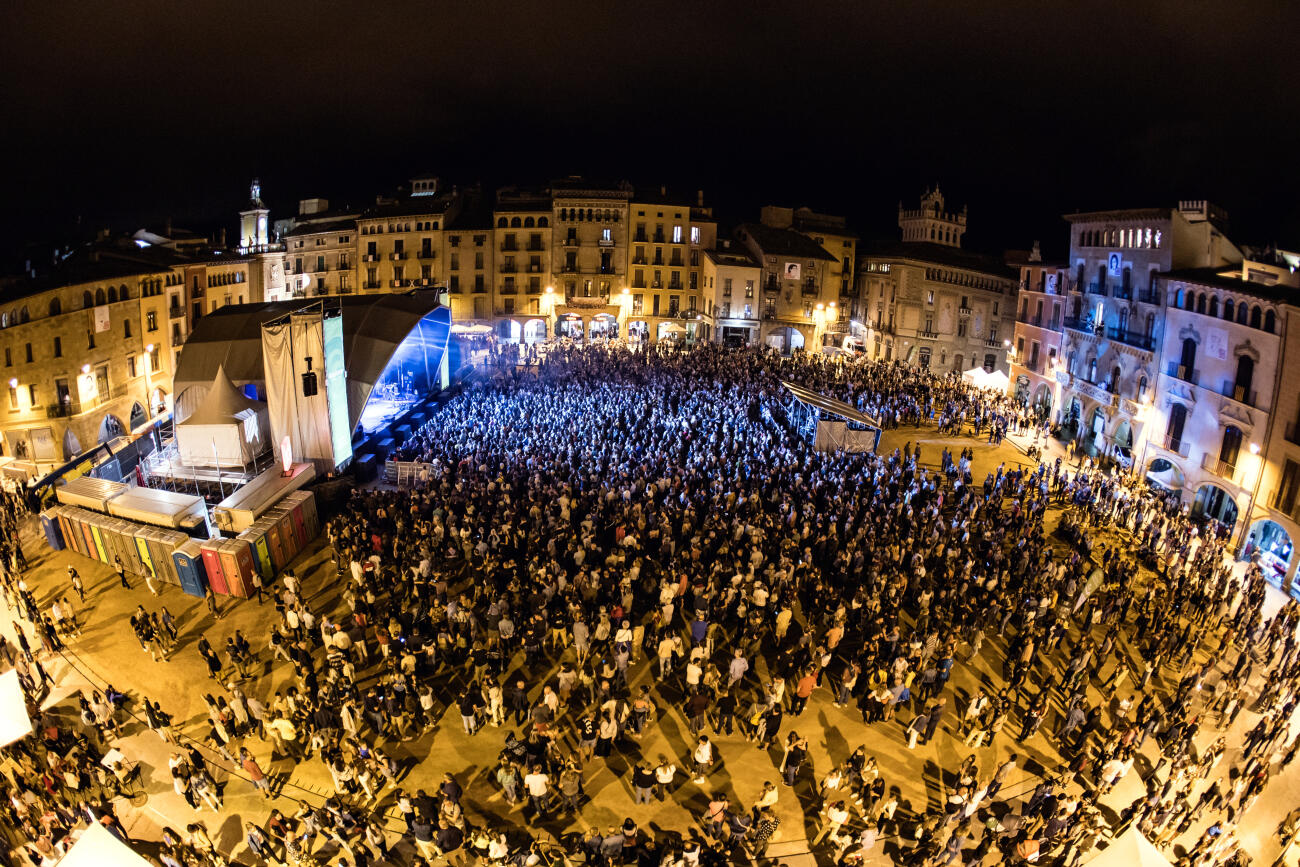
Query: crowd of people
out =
(613, 538)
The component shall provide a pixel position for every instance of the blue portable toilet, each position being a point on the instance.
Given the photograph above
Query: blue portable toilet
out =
(190, 570)
(53, 532)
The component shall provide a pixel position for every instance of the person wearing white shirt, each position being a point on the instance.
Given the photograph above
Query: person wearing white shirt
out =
(703, 758)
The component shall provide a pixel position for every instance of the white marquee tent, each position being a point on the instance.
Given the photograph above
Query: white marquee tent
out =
(97, 847)
(15, 724)
(1130, 849)
(226, 429)
(981, 378)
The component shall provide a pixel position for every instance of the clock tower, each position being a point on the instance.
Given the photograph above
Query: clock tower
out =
(254, 222)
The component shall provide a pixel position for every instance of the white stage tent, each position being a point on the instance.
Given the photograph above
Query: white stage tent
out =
(1130, 849)
(226, 429)
(15, 724)
(981, 378)
(97, 847)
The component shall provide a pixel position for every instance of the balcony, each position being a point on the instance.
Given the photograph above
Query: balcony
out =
(808, 289)
(63, 409)
(370, 257)
(639, 260)
(676, 262)
(534, 269)
(570, 242)
(1237, 393)
(606, 269)
(1036, 321)
(1177, 445)
(344, 265)
(771, 286)
(479, 290)
(992, 342)
(929, 333)
(1096, 288)
(1285, 501)
(569, 269)
(399, 284)
(1132, 338)
(507, 269)
(397, 255)
(1186, 374)
(509, 247)
(1124, 293)
(1149, 296)
(604, 242)
(675, 287)
(176, 312)
(534, 290)
(1293, 432)
(423, 254)
(659, 238)
(656, 284)
(507, 290)
(371, 284)
(964, 311)
(534, 246)
(1220, 468)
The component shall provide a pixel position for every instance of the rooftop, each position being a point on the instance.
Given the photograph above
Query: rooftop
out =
(939, 254)
(1232, 280)
(783, 242)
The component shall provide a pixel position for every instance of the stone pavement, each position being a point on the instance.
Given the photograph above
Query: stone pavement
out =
(108, 649)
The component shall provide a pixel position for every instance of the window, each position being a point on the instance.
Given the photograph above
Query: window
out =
(9, 358)
(607, 234)
(58, 345)
(90, 340)
(749, 288)
(726, 287)
(677, 234)
(961, 327)
(13, 397)
(695, 234)
(990, 362)
(929, 297)
(126, 328)
(130, 366)
(151, 321)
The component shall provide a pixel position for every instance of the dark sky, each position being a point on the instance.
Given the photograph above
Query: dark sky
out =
(122, 113)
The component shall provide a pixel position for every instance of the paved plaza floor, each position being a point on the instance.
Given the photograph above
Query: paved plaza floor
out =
(108, 651)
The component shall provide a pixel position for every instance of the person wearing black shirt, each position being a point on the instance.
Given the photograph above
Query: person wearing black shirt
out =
(643, 781)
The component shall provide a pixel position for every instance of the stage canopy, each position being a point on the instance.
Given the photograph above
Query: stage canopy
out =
(830, 405)
(978, 376)
(386, 337)
(15, 724)
(1130, 849)
(97, 847)
(226, 429)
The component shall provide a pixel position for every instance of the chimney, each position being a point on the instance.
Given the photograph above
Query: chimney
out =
(221, 238)
(663, 189)
(699, 198)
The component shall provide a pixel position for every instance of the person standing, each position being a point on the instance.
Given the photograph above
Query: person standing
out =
(643, 782)
(120, 569)
(703, 757)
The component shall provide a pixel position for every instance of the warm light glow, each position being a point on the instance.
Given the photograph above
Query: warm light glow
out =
(149, 348)
(13, 383)
(1006, 343)
(85, 368)
(550, 290)
(1254, 448)
(286, 453)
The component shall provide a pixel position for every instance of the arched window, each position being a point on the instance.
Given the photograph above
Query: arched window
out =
(123, 293)
(528, 222)
(543, 222)
(1187, 360)
(1174, 432)
(1214, 306)
(515, 223)
(501, 222)
(1114, 380)
(1270, 321)
(87, 300)
(1245, 377)
(1142, 387)
(1178, 297)
(1190, 301)
(112, 294)
(1243, 313)
(1228, 309)
(22, 315)
(1200, 303)
(100, 297)
(55, 307)
(1256, 316)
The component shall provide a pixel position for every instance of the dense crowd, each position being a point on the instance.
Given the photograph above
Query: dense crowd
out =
(611, 536)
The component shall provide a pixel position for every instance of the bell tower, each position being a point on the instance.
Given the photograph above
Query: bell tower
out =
(254, 222)
(932, 223)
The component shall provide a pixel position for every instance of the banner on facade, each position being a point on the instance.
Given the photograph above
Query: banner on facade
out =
(792, 270)
(1115, 265)
(1216, 343)
(102, 322)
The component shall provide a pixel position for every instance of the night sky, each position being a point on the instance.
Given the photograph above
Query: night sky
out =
(121, 114)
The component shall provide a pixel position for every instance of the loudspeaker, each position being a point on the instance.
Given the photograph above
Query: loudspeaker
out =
(309, 384)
